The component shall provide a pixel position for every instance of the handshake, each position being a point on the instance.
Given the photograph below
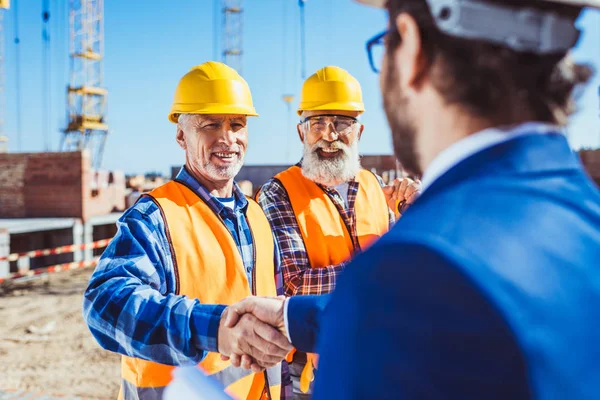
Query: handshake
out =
(252, 333)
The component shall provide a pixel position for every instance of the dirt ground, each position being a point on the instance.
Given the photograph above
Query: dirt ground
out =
(45, 346)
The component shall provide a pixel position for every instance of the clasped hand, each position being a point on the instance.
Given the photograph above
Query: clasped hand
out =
(252, 333)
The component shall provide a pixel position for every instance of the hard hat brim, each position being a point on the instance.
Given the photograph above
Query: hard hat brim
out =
(210, 109)
(341, 106)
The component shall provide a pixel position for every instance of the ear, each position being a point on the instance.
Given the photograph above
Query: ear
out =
(180, 137)
(362, 127)
(300, 133)
(410, 59)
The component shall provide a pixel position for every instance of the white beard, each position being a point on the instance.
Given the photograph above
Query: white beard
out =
(331, 171)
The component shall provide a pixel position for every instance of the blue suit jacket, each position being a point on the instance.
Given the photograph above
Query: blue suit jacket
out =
(488, 287)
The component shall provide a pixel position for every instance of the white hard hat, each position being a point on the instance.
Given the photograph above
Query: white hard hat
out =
(576, 3)
(522, 29)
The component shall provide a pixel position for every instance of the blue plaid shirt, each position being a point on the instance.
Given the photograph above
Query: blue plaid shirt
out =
(130, 304)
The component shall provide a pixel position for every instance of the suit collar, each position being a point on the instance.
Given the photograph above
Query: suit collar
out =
(477, 142)
(521, 155)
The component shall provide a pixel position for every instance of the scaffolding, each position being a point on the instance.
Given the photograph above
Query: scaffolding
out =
(86, 98)
(4, 4)
(232, 33)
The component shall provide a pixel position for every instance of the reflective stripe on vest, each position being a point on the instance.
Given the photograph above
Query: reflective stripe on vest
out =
(131, 392)
(233, 374)
(326, 236)
(203, 247)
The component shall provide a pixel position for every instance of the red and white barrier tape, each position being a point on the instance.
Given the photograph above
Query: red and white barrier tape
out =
(58, 250)
(51, 269)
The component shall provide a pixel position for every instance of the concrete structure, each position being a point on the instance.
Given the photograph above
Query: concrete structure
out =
(26, 234)
(258, 175)
(57, 185)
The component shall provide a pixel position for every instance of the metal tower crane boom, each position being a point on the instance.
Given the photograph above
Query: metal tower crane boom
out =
(86, 97)
(232, 38)
(4, 4)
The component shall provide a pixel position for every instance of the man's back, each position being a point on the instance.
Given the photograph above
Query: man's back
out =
(487, 288)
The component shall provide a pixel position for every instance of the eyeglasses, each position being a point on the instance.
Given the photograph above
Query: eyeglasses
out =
(342, 125)
(375, 50)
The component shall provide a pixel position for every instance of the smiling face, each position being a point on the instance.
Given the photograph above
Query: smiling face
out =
(214, 145)
(330, 146)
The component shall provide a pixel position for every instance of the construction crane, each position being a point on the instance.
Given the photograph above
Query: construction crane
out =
(4, 4)
(287, 96)
(302, 40)
(46, 74)
(232, 33)
(86, 97)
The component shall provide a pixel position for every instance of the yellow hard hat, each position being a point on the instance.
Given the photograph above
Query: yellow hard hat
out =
(212, 88)
(331, 88)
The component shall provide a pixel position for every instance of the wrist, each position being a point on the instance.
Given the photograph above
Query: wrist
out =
(204, 325)
(220, 333)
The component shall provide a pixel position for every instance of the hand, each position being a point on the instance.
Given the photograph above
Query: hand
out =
(244, 334)
(268, 310)
(403, 190)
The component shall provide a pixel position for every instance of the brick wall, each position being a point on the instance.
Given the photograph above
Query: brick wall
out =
(56, 185)
(12, 173)
(53, 184)
(41, 184)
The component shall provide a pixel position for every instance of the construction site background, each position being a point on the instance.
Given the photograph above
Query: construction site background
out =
(58, 208)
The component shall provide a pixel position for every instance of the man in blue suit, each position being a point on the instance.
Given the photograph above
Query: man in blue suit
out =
(489, 286)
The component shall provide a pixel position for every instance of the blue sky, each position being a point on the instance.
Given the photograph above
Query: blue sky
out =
(150, 45)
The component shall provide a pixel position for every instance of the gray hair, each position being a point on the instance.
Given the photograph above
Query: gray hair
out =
(182, 120)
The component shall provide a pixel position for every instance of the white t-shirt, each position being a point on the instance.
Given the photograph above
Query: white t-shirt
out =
(342, 189)
(228, 202)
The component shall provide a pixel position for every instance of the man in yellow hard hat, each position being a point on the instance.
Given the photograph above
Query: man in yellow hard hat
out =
(186, 250)
(326, 209)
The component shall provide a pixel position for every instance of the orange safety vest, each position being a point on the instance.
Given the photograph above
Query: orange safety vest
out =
(208, 267)
(326, 236)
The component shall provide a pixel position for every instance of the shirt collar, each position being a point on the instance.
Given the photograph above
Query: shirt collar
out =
(241, 203)
(476, 143)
